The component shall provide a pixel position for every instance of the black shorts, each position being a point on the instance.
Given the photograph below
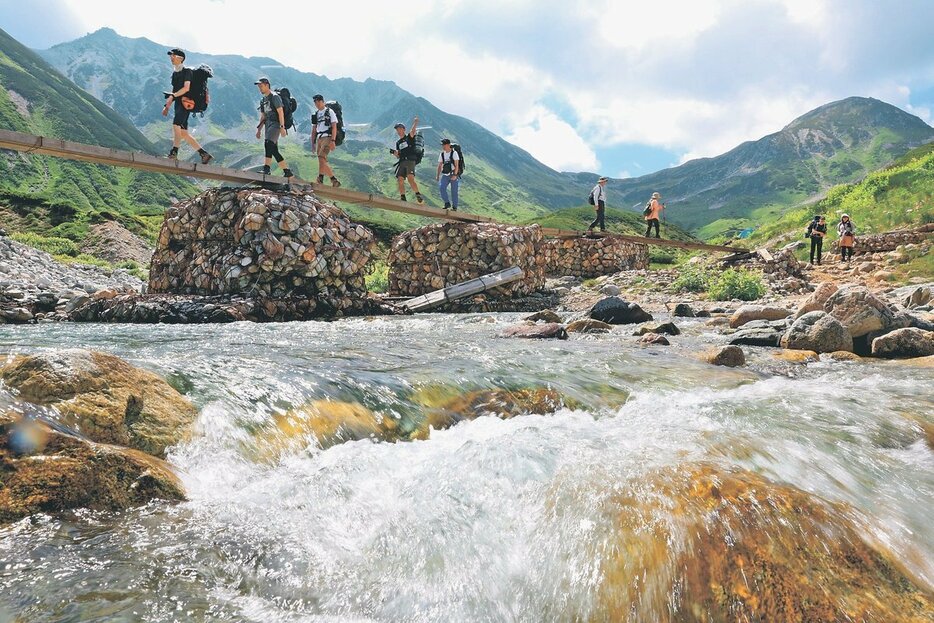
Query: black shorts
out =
(405, 168)
(181, 116)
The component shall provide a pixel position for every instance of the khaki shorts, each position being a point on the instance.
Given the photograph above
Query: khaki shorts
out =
(323, 146)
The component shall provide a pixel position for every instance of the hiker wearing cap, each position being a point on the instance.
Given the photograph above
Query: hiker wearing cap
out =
(448, 174)
(405, 152)
(847, 232)
(323, 127)
(652, 212)
(816, 231)
(271, 126)
(181, 84)
(598, 200)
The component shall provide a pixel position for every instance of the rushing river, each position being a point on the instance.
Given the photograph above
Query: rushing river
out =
(491, 520)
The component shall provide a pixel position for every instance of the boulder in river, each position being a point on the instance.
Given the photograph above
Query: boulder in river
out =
(683, 310)
(749, 313)
(904, 343)
(730, 356)
(589, 325)
(862, 312)
(103, 398)
(817, 331)
(654, 339)
(546, 315)
(614, 310)
(815, 302)
(760, 333)
(45, 470)
(548, 330)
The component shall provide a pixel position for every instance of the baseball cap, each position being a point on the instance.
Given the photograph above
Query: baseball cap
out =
(318, 98)
(445, 141)
(399, 125)
(263, 80)
(176, 52)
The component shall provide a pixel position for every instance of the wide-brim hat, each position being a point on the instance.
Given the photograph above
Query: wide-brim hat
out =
(604, 179)
(655, 195)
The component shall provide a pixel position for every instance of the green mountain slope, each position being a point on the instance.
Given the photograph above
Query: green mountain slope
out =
(58, 197)
(617, 221)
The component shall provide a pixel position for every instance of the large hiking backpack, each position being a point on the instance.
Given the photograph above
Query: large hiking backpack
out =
(288, 107)
(337, 136)
(419, 147)
(460, 154)
(590, 199)
(648, 209)
(198, 96)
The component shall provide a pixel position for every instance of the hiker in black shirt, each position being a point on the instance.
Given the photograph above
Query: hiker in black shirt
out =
(817, 229)
(405, 152)
(271, 126)
(181, 83)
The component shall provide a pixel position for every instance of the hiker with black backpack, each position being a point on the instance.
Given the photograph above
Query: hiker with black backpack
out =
(324, 130)
(271, 126)
(598, 200)
(407, 152)
(816, 231)
(651, 213)
(448, 174)
(181, 86)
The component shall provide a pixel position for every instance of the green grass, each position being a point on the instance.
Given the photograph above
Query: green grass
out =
(377, 280)
(617, 221)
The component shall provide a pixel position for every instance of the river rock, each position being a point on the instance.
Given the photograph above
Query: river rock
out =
(548, 330)
(815, 302)
(729, 356)
(760, 333)
(796, 356)
(104, 398)
(904, 343)
(589, 325)
(843, 355)
(654, 339)
(545, 315)
(683, 310)
(862, 312)
(749, 313)
(614, 310)
(44, 470)
(817, 331)
(610, 290)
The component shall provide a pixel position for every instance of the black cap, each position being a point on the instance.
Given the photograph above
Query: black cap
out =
(445, 141)
(176, 52)
(318, 98)
(263, 80)
(399, 125)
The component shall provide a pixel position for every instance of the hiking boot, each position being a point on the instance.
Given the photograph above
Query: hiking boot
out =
(447, 205)
(265, 170)
(418, 198)
(287, 173)
(336, 183)
(321, 179)
(173, 154)
(402, 198)
(454, 209)
(205, 156)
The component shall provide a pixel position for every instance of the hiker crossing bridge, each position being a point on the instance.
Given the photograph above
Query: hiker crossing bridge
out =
(32, 144)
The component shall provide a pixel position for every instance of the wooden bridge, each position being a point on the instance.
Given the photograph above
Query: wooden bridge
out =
(31, 144)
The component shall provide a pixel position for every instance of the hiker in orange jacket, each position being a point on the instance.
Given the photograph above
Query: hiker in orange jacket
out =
(652, 212)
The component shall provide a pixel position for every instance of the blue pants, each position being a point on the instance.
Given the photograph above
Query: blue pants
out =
(443, 189)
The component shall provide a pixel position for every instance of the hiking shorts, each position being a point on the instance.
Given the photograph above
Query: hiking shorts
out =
(323, 146)
(272, 133)
(405, 168)
(181, 115)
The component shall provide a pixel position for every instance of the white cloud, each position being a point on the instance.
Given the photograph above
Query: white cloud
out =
(554, 142)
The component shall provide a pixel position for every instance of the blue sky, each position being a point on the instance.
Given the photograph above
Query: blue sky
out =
(622, 88)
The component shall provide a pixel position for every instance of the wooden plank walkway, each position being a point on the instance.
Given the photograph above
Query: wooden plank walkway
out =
(463, 289)
(31, 144)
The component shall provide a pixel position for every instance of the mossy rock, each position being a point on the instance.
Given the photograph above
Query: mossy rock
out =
(104, 398)
(43, 470)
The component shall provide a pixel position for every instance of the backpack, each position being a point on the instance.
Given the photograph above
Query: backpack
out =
(338, 136)
(460, 154)
(198, 96)
(590, 199)
(419, 147)
(288, 107)
(648, 209)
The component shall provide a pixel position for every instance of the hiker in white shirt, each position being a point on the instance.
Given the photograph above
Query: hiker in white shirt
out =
(598, 200)
(449, 167)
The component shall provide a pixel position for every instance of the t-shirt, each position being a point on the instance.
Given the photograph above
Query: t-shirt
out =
(655, 208)
(447, 161)
(321, 119)
(406, 148)
(269, 106)
(179, 78)
(599, 194)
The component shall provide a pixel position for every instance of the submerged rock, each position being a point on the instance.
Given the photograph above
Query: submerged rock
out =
(654, 339)
(549, 330)
(907, 343)
(729, 356)
(588, 325)
(819, 332)
(545, 315)
(796, 356)
(104, 398)
(702, 544)
(44, 470)
(614, 310)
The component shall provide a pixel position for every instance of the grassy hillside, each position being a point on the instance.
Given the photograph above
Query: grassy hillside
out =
(899, 196)
(60, 198)
(617, 221)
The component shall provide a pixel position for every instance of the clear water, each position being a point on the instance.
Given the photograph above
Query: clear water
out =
(492, 520)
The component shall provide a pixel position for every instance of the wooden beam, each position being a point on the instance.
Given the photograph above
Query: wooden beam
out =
(658, 242)
(463, 289)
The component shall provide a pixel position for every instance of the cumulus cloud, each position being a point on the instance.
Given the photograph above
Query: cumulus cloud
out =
(554, 141)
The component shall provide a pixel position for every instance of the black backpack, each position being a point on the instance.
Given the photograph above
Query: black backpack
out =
(419, 147)
(590, 199)
(460, 154)
(648, 209)
(340, 134)
(198, 92)
(288, 107)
